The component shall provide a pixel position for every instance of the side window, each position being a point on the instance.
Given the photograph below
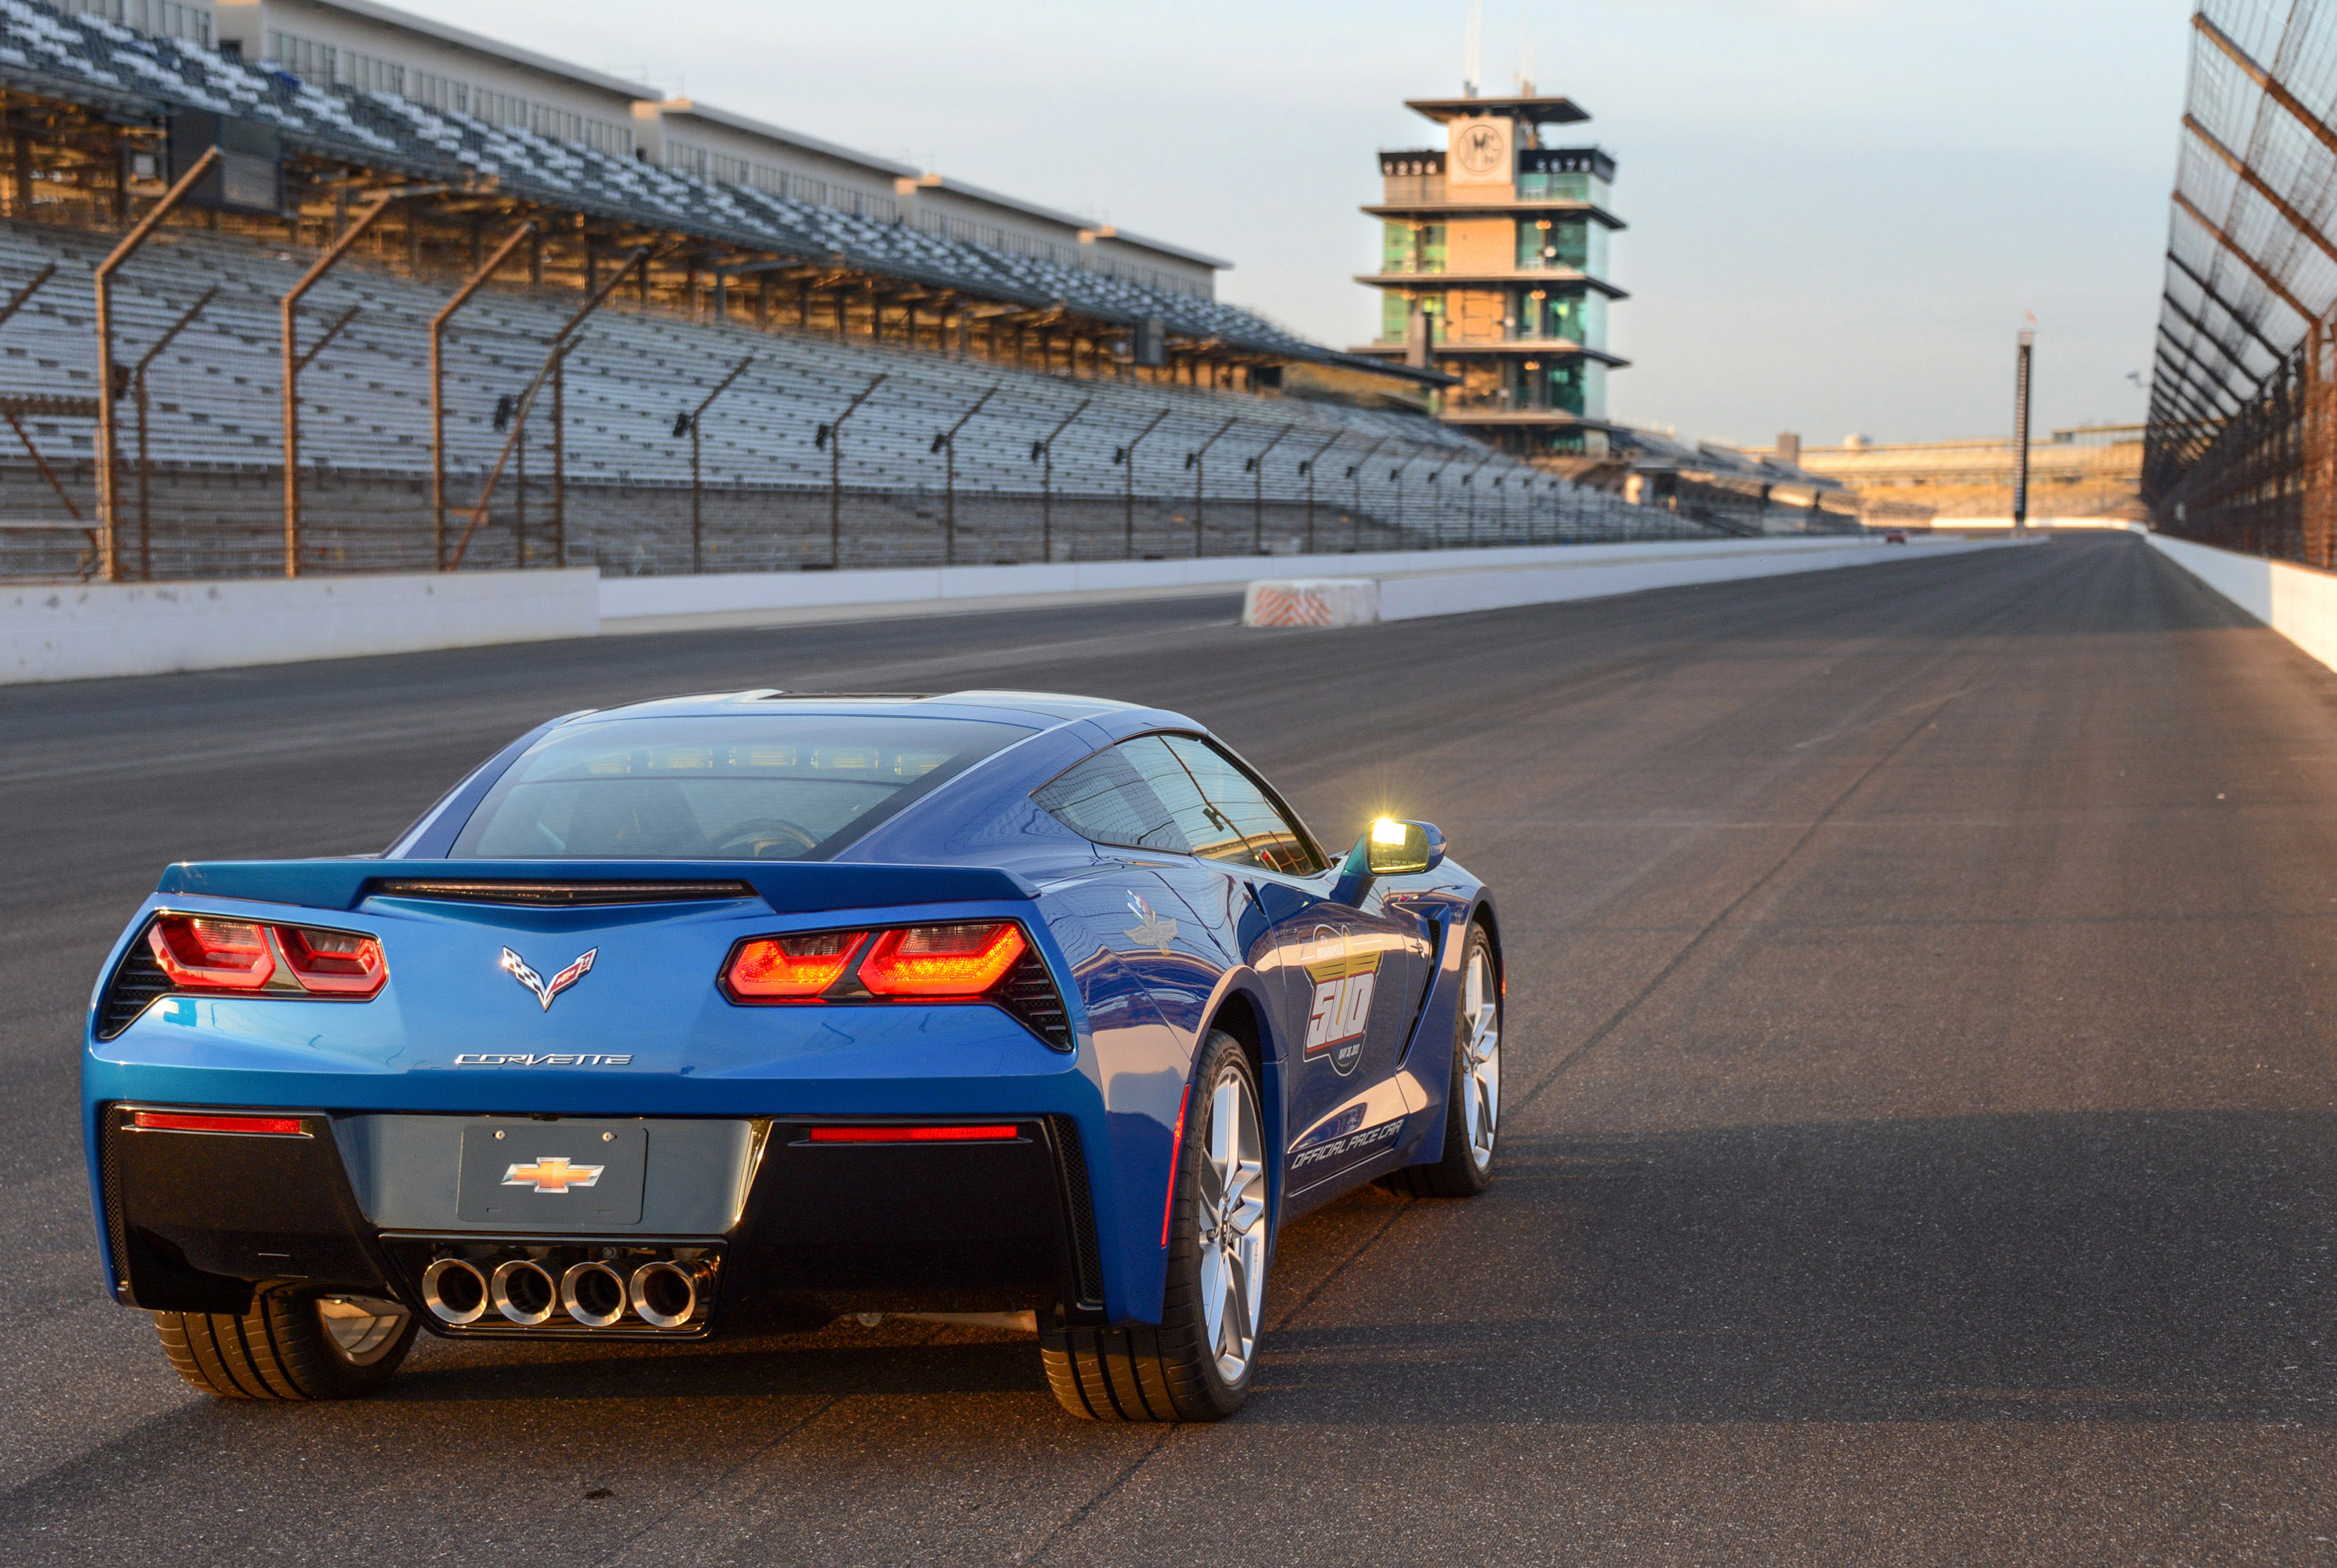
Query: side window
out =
(1136, 795)
(1270, 838)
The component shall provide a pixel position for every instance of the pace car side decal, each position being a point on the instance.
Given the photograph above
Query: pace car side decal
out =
(1343, 1005)
(1362, 1143)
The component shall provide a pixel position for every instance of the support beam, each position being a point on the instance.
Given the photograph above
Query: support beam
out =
(2223, 237)
(2225, 305)
(2255, 183)
(2265, 80)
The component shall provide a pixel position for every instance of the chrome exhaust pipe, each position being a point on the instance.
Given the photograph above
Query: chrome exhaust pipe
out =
(593, 1294)
(523, 1292)
(665, 1293)
(455, 1290)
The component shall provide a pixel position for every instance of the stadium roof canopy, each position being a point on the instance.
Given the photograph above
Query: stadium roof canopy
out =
(347, 141)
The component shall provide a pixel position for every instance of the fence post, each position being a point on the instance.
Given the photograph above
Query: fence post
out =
(470, 285)
(946, 442)
(1047, 485)
(138, 393)
(692, 420)
(1257, 465)
(108, 475)
(1199, 461)
(831, 435)
(1128, 454)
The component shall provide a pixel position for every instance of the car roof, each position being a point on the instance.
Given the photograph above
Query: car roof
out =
(1012, 706)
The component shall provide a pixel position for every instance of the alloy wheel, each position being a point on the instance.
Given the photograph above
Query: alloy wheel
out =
(1232, 1198)
(1481, 1061)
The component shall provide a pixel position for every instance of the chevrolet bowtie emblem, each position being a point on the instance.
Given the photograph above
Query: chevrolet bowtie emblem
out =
(546, 990)
(552, 1173)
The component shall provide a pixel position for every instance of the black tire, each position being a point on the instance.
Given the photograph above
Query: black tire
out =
(281, 1349)
(1172, 1373)
(1465, 1169)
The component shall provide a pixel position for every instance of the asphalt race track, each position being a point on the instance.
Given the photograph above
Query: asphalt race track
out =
(1920, 1139)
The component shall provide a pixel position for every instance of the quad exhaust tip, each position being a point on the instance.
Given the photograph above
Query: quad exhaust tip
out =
(665, 1294)
(593, 1294)
(455, 1291)
(523, 1291)
(530, 1292)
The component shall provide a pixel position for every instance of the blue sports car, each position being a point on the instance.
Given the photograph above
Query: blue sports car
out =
(742, 1011)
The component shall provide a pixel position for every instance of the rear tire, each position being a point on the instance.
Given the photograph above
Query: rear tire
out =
(1472, 1103)
(1198, 1364)
(290, 1344)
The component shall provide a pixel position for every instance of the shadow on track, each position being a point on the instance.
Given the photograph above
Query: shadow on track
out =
(2028, 1267)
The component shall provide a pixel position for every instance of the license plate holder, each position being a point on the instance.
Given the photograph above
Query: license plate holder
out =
(568, 1174)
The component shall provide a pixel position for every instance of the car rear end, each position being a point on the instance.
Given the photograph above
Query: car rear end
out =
(602, 1099)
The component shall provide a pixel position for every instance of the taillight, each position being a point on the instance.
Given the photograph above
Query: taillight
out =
(212, 955)
(206, 952)
(249, 1126)
(336, 963)
(913, 1135)
(941, 960)
(773, 967)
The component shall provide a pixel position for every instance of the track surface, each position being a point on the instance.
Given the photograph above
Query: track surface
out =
(1920, 1141)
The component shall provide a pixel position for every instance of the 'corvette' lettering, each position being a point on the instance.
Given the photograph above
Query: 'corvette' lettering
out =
(514, 1059)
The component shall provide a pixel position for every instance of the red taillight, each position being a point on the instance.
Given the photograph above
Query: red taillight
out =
(205, 953)
(779, 967)
(913, 1135)
(336, 963)
(181, 1122)
(941, 960)
(198, 950)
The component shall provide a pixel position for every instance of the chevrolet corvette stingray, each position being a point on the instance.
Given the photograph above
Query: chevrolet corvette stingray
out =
(717, 1014)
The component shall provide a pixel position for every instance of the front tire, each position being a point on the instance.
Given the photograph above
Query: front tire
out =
(1198, 1364)
(1472, 1105)
(289, 1345)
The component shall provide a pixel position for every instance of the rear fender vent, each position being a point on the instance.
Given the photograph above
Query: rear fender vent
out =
(1072, 1171)
(558, 894)
(137, 979)
(1029, 994)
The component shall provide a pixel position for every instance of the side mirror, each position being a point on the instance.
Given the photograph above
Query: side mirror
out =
(1388, 848)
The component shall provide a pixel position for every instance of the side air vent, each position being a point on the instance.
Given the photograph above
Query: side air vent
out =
(558, 894)
(1072, 1169)
(1029, 992)
(137, 982)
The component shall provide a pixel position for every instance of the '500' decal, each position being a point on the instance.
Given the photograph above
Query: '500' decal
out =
(1342, 1007)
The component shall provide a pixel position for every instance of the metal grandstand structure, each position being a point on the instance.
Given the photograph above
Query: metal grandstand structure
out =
(2242, 446)
(888, 396)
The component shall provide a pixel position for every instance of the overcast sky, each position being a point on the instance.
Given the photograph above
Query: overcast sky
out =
(1839, 210)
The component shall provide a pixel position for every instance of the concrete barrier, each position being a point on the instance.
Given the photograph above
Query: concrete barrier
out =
(750, 598)
(2297, 601)
(80, 631)
(1589, 572)
(1312, 602)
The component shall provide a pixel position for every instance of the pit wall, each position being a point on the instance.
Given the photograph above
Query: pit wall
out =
(84, 631)
(2297, 601)
(89, 631)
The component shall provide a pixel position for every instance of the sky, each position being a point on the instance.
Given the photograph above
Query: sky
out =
(1842, 211)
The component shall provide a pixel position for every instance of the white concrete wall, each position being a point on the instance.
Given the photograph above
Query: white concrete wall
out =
(2297, 601)
(1409, 597)
(628, 598)
(79, 631)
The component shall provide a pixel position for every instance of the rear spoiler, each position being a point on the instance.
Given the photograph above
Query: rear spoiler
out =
(789, 887)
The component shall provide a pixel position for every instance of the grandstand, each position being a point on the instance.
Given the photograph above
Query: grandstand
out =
(1095, 414)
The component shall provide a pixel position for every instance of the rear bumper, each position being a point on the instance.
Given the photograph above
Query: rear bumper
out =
(193, 1220)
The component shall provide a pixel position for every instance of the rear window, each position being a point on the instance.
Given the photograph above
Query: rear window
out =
(792, 787)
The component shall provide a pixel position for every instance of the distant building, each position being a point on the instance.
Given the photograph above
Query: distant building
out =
(1493, 270)
(2084, 471)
